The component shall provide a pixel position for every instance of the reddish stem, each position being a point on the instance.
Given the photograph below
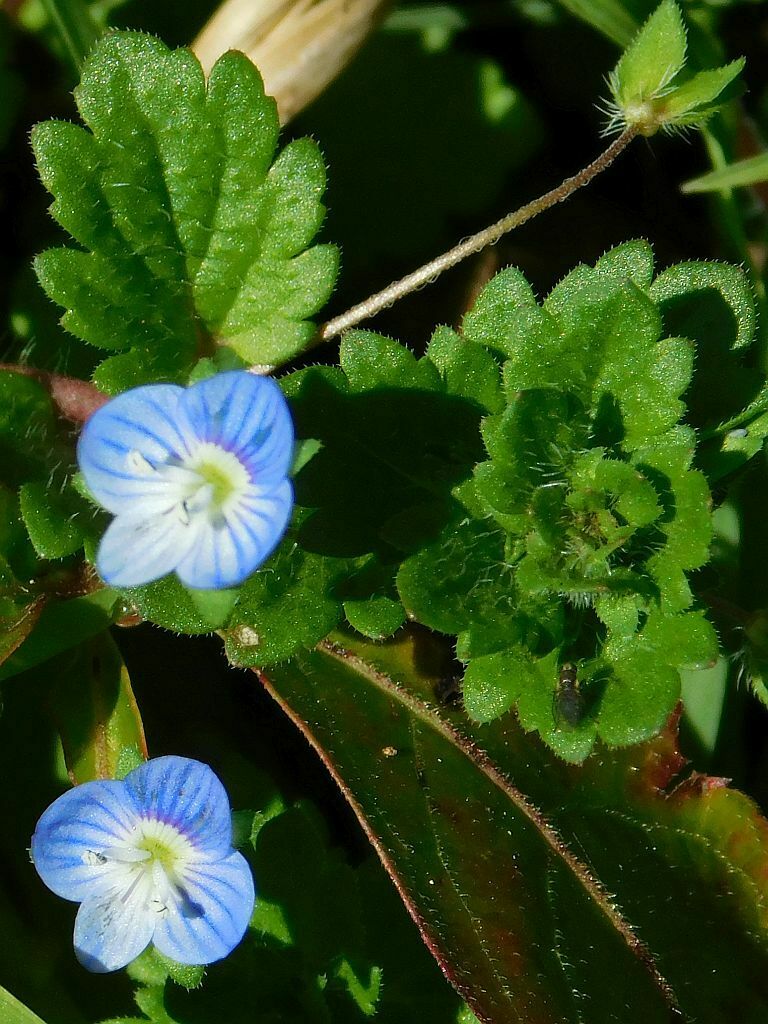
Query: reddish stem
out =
(74, 399)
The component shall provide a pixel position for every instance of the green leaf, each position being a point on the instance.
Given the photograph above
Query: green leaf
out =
(74, 26)
(691, 294)
(61, 625)
(27, 428)
(57, 519)
(652, 59)
(610, 17)
(712, 304)
(14, 1012)
(193, 236)
(288, 604)
(17, 621)
(95, 710)
(742, 173)
(468, 370)
(690, 102)
(170, 605)
(376, 617)
(594, 850)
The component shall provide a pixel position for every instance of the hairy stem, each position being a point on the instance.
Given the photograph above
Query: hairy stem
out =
(489, 236)
(74, 399)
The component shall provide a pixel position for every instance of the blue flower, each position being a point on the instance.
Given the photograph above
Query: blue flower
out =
(149, 859)
(197, 479)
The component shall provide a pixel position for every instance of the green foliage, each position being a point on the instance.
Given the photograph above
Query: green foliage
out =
(194, 238)
(95, 710)
(322, 943)
(533, 487)
(750, 171)
(585, 854)
(59, 626)
(611, 17)
(27, 428)
(647, 91)
(14, 1012)
(56, 518)
(567, 535)
(367, 495)
(573, 540)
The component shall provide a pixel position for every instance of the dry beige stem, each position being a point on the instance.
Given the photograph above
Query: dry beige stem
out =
(299, 46)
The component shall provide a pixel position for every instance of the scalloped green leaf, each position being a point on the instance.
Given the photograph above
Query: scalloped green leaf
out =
(194, 234)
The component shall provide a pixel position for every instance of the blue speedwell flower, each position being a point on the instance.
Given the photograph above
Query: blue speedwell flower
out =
(151, 860)
(197, 479)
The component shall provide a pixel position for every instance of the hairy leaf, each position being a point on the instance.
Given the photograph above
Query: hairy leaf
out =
(572, 542)
(192, 234)
(527, 877)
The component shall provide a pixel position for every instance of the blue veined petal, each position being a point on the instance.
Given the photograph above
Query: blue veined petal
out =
(188, 795)
(112, 930)
(244, 413)
(136, 550)
(213, 916)
(269, 458)
(225, 554)
(149, 421)
(82, 822)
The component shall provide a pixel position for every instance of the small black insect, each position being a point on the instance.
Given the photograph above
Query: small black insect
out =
(449, 692)
(568, 696)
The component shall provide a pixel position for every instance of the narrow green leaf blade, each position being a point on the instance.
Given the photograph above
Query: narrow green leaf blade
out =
(14, 1012)
(95, 710)
(610, 17)
(750, 171)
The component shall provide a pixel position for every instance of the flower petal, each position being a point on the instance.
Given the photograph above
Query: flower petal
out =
(149, 421)
(227, 552)
(78, 825)
(247, 415)
(111, 931)
(188, 795)
(136, 550)
(213, 917)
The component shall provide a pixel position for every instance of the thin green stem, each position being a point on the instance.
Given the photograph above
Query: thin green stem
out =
(75, 27)
(475, 243)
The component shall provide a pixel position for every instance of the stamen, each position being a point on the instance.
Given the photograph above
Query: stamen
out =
(125, 854)
(139, 463)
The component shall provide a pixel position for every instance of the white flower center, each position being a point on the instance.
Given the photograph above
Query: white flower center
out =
(149, 865)
(208, 481)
